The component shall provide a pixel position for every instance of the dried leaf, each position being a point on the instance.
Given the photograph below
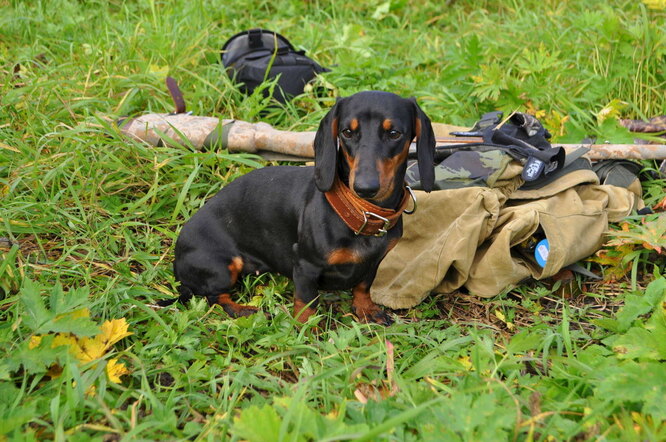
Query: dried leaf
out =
(390, 369)
(89, 349)
(115, 369)
(360, 396)
(466, 362)
(649, 234)
(615, 267)
(113, 331)
(64, 339)
(502, 318)
(660, 206)
(85, 349)
(611, 110)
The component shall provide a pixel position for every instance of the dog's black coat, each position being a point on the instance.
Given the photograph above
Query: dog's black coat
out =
(277, 219)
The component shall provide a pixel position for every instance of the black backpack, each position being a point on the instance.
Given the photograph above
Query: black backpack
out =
(248, 56)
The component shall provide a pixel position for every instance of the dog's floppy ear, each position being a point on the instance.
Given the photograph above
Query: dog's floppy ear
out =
(425, 147)
(326, 149)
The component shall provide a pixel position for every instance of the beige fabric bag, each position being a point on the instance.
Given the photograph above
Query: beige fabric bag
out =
(467, 237)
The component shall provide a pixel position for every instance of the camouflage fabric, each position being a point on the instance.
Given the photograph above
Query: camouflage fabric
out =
(464, 169)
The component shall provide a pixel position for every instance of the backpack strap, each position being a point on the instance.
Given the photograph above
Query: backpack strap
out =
(254, 38)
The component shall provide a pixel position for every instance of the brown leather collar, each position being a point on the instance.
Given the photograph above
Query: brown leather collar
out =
(360, 215)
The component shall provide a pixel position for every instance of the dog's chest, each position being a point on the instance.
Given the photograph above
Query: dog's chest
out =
(347, 266)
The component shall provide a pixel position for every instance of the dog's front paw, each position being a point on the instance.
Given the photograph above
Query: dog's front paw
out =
(382, 317)
(376, 315)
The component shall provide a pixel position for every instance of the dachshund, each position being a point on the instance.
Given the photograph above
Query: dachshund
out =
(326, 226)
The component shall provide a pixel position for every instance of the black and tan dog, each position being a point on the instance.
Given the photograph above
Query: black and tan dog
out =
(326, 227)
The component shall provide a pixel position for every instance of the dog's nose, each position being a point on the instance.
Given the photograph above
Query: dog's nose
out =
(366, 187)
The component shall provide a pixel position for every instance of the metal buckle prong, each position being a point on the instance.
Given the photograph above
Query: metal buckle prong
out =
(381, 232)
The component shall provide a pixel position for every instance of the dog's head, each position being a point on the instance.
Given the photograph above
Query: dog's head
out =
(366, 138)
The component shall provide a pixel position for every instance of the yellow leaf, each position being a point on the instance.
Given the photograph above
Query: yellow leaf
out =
(113, 331)
(74, 345)
(158, 71)
(466, 362)
(502, 318)
(532, 110)
(35, 341)
(64, 339)
(655, 4)
(611, 110)
(90, 349)
(80, 313)
(94, 348)
(115, 369)
(90, 392)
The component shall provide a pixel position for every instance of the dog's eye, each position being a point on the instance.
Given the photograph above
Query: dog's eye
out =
(394, 134)
(347, 133)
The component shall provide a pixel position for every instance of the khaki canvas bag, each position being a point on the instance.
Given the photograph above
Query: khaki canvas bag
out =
(469, 234)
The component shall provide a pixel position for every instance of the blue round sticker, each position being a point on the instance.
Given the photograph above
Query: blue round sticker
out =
(541, 252)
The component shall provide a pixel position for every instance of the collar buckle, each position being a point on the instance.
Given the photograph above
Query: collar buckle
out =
(382, 231)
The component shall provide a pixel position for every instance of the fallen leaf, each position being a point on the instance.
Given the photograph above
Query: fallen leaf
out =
(90, 349)
(390, 369)
(115, 369)
(502, 318)
(113, 331)
(611, 110)
(660, 206)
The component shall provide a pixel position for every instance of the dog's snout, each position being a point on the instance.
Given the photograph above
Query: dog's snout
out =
(366, 187)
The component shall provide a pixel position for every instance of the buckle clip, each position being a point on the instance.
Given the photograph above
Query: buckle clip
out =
(411, 194)
(382, 231)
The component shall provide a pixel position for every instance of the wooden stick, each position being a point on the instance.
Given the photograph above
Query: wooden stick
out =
(241, 136)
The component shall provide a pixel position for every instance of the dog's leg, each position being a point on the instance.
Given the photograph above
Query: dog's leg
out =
(305, 290)
(363, 306)
(220, 282)
(233, 309)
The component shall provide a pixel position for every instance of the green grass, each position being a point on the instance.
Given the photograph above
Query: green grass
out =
(88, 219)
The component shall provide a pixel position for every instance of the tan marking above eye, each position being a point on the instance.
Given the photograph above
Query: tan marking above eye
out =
(387, 124)
(353, 124)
